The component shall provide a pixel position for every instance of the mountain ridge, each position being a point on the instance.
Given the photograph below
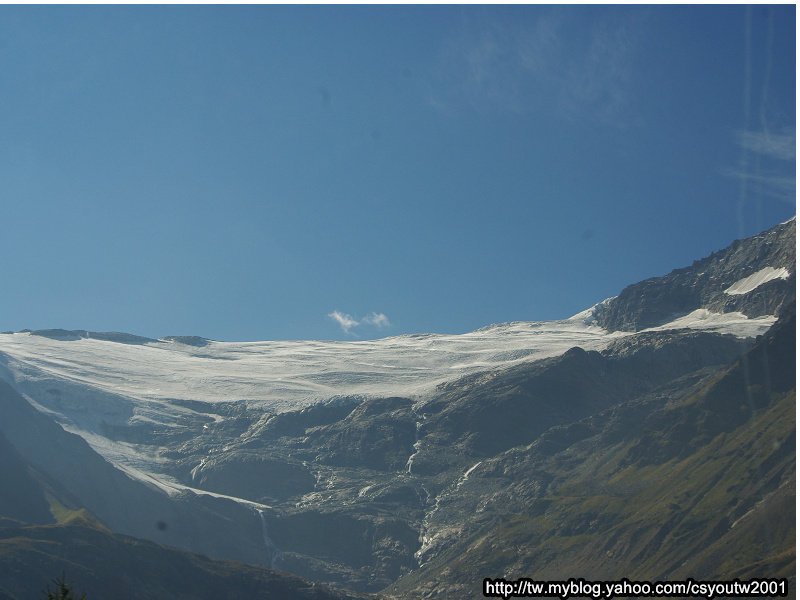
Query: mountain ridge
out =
(439, 454)
(657, 300)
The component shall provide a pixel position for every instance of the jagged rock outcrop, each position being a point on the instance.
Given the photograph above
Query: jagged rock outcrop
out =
(658, 300)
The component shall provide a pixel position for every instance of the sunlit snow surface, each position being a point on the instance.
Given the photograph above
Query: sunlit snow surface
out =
(289, 374)
(731, 322)
(748, 284)
(92, 385)
(286, 375)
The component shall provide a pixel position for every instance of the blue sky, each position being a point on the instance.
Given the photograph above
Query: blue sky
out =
(248, 172)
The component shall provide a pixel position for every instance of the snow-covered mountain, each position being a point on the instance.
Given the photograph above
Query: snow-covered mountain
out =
(289, 441)
(92, 382)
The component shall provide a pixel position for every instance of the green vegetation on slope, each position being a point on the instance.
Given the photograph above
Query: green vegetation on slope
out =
(695, 480)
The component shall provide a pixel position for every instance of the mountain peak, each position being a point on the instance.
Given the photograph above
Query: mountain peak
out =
(753, 276)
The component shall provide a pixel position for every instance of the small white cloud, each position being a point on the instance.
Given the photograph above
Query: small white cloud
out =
(378, 320)
(348, 322)
(345, 321)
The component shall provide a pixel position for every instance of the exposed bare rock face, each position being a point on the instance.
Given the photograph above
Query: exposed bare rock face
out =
(659, 300)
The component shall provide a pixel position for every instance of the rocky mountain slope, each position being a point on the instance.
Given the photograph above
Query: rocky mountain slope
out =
(46, 529)
(754, 276)
(648, 436)
(46, 532)
(695, 478)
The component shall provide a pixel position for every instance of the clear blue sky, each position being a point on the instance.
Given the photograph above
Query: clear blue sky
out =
(243, 172)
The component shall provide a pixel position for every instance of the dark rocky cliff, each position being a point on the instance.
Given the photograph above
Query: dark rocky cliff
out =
(658, 300)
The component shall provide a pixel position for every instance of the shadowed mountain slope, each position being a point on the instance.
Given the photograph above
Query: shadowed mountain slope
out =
(105, 565)
(696, 479)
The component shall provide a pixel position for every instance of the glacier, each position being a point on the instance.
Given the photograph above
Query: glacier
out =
(90, 385)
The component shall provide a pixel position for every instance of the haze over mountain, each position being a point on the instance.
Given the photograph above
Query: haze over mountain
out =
(649, 436)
